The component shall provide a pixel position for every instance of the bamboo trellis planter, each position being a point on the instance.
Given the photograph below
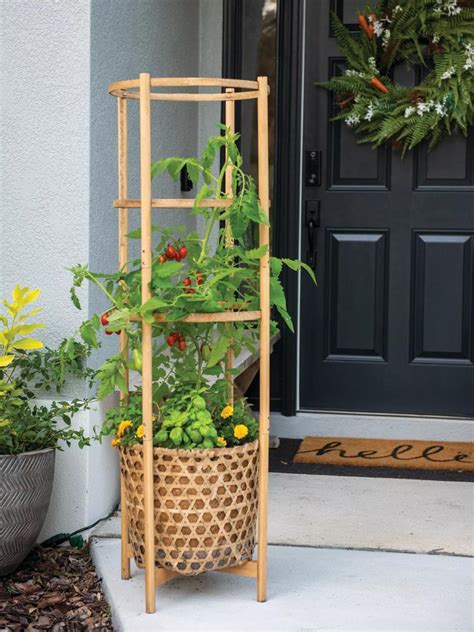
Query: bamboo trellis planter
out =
(145, 91)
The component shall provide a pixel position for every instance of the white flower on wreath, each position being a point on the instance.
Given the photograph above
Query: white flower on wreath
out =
(448, 7)
(352, 119)
(422, 108)
(378, 27)
(397, 9)
(449, 73)
(369, 115)
(373, 65)
(469, 56)
(386, 38)
(354, 73)
(409, 111)
(440, 107)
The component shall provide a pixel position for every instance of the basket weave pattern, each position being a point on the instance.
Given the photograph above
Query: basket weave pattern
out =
(205, 506)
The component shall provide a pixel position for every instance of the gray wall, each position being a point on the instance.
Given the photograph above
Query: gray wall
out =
(59, 166)
(44, 168)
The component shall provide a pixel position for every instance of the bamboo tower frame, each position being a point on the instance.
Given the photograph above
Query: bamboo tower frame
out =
(231, 90)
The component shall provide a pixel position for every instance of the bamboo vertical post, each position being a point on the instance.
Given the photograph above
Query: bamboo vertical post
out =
(146, 258)
(122, 113)
(264, 417)
(230, 123)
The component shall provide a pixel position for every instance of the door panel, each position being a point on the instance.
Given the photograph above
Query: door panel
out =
(442, 298)
(356, 281)
(389, 328)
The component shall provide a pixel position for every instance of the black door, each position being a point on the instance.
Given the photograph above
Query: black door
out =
(390, 327)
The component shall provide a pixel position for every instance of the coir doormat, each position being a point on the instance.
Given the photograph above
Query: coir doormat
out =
(426, 455)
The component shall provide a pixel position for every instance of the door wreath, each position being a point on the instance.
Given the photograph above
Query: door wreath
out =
(437, 37)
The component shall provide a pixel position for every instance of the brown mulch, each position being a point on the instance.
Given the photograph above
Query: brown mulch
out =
(57, 589)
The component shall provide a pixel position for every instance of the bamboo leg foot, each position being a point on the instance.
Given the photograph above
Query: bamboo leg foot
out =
(163, 575)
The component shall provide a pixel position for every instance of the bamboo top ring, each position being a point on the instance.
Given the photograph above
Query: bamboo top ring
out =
(130, 89)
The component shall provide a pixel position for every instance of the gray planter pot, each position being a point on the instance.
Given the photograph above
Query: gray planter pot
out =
(26, 481)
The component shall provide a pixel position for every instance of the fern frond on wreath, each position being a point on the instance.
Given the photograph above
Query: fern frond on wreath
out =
(434, 35)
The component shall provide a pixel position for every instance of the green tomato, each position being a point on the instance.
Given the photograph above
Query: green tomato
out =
(137, 359)
(206, 352)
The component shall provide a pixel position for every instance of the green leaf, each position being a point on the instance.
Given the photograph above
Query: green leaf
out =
(88, 334)
(153, 304)
(161, 436)
(296, 265)
(275, 266)
(286, 318)
(218, 350)
(256, 253)
(167, 269)
(238, 220)
(176, 435)
(277, 294)
(74, 298)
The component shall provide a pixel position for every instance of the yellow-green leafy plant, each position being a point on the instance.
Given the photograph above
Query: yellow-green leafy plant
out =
(27, 367)
(16, 327)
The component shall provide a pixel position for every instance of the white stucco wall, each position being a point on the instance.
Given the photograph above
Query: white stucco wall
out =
(58, 167)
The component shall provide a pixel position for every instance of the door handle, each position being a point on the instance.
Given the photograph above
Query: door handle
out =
(312, 221)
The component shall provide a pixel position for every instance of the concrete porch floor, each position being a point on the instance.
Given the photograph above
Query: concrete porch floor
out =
(338, 561)
(309, 589)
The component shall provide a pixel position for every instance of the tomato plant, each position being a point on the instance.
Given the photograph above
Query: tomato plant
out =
(190, 273)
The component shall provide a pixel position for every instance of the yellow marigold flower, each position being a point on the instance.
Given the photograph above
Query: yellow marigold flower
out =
(123, 425)
(227, 411)
(240, 431)
(140, 431)
(115, 442)
(221, 441)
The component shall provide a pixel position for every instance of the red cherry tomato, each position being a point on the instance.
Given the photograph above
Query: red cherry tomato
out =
(108, 332)
(170, 252)
(172, 338)
(177, 256)
(190, 290)
(162, 259)
(182, 344)
(104, 319)
(187, 281)
(183, 251)
(200, 278)
(118, 332)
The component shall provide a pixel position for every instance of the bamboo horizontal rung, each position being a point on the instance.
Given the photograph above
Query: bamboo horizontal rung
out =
(173, 203)
(249, 569)
(186, 82)
(193, 96)
(210, 317)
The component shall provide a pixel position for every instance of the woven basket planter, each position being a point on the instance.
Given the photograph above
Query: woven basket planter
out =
(205, 506)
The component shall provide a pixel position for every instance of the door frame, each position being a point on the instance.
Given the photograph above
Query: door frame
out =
(288, 149)
(287, 190)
